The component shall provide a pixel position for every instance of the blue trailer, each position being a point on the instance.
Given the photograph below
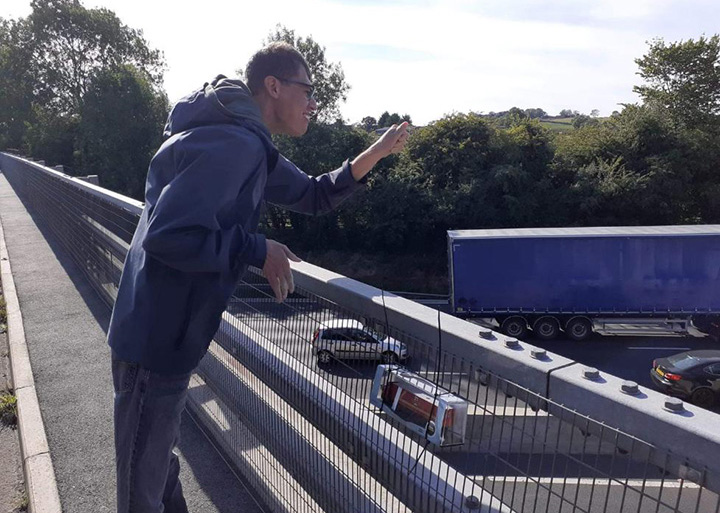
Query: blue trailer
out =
(582, 279)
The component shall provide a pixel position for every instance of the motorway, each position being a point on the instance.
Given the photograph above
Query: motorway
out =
(501, 447)
(623, 356)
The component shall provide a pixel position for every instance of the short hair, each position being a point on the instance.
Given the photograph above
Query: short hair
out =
(278, 59)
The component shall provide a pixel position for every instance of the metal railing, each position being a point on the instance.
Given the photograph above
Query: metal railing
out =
(542, 433)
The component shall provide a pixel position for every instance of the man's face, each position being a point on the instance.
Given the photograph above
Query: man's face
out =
(295, 104)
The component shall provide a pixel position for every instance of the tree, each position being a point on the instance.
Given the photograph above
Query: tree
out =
(369, 123)
(121, 127)
(329, 78)
(69, 43)
(16, 83)
(635, 168)
(516, 114)
(321, 149)
(535, 113)
(47, 61)
(51, 136)
(386, 119)
(582, 120)
(683, 77)
(568, 113)
(479, 175)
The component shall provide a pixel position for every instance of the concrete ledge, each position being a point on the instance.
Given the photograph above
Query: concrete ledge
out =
(40, 483)
(690, 436)
(32, 434)
(394, 460)
(459, 337)
(42, 491)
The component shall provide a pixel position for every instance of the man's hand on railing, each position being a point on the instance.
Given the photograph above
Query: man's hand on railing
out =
(277, 269)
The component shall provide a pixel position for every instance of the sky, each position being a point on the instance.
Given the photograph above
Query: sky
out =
(428, 58)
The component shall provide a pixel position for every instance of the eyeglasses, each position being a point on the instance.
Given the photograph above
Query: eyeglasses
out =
(309, 93)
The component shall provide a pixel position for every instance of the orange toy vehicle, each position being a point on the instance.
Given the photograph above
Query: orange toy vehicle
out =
(420, 405)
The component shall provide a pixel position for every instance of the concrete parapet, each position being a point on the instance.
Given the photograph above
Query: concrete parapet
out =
(687, 440)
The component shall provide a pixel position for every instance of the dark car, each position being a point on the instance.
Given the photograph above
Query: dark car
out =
(693, 375)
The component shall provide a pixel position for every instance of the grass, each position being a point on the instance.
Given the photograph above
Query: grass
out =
(8, 410)
(558, 125)
(3, 310)
(23, 503)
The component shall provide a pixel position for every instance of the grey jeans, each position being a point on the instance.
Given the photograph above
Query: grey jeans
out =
(148, 409)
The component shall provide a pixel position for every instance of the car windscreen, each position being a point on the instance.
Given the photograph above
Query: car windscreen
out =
(683, 361)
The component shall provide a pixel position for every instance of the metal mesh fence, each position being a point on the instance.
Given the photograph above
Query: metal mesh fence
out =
(293, 391)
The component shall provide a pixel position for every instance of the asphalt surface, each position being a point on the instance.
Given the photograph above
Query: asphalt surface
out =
(626, 357)
(65, 325)
(593, 478)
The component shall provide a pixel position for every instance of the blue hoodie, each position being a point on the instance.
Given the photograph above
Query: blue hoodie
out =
(198, 232)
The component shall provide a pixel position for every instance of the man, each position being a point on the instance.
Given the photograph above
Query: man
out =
(196, 237)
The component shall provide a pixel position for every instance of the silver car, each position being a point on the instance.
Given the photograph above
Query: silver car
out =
(348, 339)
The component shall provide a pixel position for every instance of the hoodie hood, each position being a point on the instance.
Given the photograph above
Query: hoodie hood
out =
(222, 101)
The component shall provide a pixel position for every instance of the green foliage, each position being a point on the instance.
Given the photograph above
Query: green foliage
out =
(397, 214)
(386, 119)
(80, 88)
(369, 123)
(607, 193)
(121, 128)
(69, 43)
(51, 136)
(649, 158)
(453, 150)
(535, 113)
(3, 311)
(16, 83)
(582, 120)
(459, 172)
(568, 113)
(23, 503)
(683, 77)
(70, 96)
(329, 78)
(8, 410)
(321, 149)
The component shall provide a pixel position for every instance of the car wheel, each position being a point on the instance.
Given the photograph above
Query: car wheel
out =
(546, 328)
(430, 428)
(389, 357)
(703, 397)
(514, 327)
(324, 357)
(578, 328)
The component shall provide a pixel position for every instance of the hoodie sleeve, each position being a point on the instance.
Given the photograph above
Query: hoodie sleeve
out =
(293, 189)
(218, 172)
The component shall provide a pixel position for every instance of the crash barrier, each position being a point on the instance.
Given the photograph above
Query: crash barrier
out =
(541, 433)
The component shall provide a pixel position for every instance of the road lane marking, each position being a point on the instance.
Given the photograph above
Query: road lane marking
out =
(633, 483)
(661, 348)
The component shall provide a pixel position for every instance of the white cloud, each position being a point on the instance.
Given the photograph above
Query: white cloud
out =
(463, 55)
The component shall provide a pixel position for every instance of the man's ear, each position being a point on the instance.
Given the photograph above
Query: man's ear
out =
(272, 86)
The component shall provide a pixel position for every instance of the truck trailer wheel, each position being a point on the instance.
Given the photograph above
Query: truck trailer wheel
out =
(514, 327)
(546, 328)
(579, 328)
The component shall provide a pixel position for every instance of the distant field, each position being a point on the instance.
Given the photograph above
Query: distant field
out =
(557, 124)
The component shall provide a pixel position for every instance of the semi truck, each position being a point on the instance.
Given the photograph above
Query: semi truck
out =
(612, 280)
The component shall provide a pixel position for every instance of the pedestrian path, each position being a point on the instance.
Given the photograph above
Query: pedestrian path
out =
(65, 323)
